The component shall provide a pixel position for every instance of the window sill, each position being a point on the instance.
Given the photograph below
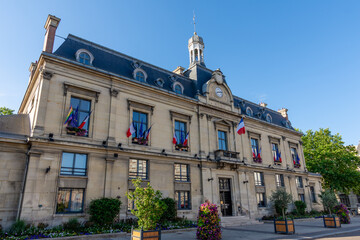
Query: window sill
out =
(69, 214)
(177, 181)
(73, 176)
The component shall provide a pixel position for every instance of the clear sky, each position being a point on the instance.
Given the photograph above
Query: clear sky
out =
(302, 55)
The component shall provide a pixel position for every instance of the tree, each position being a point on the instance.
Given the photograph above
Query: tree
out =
(326, 154)
(6, 111)
(281, 200)
(328, 199)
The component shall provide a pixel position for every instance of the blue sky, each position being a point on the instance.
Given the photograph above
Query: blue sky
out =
(302, 55)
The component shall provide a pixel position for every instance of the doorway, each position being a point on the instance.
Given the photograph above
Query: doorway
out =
(225, 196)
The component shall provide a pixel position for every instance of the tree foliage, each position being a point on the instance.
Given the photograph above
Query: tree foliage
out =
(6, 111)
(281, 199)
(104, 210)
(326, 154)
(328, 200)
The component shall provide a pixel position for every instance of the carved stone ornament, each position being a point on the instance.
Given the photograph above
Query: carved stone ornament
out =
(46, 74)
(114, 92)
(218, 76)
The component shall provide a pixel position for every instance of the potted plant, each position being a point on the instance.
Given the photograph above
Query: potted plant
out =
(343, 213)
(281, 199)
(149, 209)
(208, 222)
(329, 201)
(181, 147)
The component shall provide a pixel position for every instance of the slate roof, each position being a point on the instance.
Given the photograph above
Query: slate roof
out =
(120, 64)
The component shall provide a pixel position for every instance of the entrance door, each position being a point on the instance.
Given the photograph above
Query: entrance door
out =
(225, 196)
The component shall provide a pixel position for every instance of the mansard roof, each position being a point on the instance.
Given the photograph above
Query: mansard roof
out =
(192, 80)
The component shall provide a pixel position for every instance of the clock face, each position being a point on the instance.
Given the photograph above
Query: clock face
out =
(218, 92)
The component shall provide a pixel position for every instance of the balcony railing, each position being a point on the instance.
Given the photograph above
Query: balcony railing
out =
(226, 155)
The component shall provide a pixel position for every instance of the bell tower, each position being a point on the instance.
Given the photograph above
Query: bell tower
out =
(196, 50)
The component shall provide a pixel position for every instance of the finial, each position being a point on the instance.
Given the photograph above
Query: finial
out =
(194, 22)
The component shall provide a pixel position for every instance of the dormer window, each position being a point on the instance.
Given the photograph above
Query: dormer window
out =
(159, 82)
(268, 118)
(249, 112)
(140, 75)
(84, 56)
(178, 88)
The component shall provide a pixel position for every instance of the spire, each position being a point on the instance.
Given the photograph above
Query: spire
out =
(196, 48)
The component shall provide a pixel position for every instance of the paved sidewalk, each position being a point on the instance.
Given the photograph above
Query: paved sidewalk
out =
(305, 229)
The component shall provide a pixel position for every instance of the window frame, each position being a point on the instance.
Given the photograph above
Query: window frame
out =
(301, 197)
(73, 164)
(80, 100)
(177, 84)
(178, 203)
(180, 178)
(259, 178)
(70, 200)
(279, 180)
(80, 51)
(139, 122)
(223, 140)
(135, 75)
(137, 173)
(259, 201)
(299, 182)
(313, 194)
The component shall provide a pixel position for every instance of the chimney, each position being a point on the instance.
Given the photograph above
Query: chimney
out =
(51, 25)
(179, 70)
(32, 69)
(284, 113)
(263, 104)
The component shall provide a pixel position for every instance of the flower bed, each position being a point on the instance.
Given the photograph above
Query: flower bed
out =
(122, 226)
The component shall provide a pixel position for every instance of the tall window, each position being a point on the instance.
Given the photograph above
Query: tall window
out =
(280, 180)
(182, 199)
(180, 131)
(178, 89)
(254, 146)
(82, 107)
(275, 150)
(138, 169)
(302, 197)
(140, 121)
(299, 182)
(222, 140)
(70, 200)
(84, 58)
(182, 172)
(294, 157)
(131, 204)
(261, 199)
(140, 76)
(259, 179)
(344, 199)
(73, 164)
(313, 195)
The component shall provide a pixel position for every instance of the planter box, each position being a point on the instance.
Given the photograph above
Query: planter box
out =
(284, 226)
(332, 222)
(147, 235)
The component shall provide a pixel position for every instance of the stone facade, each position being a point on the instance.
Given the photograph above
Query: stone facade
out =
(35, 165)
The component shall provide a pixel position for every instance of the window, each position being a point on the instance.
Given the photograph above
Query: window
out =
(81, 109)
(159, 82)
(73, 164)
(131, 204)
(302, 197)
(275, 152)
(313, 195)
(182, 199)
(259, 179)
(295, 157)
(138, 169)
(268, 118)
(140, 121)
(178, 88)
(182, 172)
(254, 147)
(140, 76)
(180, 131)
(358, 198)
(249, 112)
(222, 140)
(299, 182)
(344, 199)
(84, 58)
(279, 180)
(70, 200)
(261, 199)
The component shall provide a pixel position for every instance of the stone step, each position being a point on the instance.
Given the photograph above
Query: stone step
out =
(237, 221)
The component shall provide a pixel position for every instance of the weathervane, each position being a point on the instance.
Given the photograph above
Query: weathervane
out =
(194, 22)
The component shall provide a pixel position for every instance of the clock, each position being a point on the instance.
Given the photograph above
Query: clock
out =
(218, 92)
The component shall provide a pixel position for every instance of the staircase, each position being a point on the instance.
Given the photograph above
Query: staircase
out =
(237, 221)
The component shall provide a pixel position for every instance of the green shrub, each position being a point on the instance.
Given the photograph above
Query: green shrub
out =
(18, 227)
(300, 207)
(281, 199)
(104, 210)
(72, 225)
(171, 212)
(149, 207)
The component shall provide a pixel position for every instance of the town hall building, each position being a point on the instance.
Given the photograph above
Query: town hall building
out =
(92, 119)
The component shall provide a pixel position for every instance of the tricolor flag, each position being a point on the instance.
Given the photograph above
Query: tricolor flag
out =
(85, 120)
(259, 154)
(186, 140)
(147, 133)
(174, 138)
(131, 130)
(69, 116)
(278, 154)
(241, 127)
(297, 159)
(141, 133)
(253, 152)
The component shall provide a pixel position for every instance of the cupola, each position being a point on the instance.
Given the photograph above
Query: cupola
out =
(196, 50)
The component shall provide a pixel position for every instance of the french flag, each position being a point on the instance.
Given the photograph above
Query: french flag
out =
(131, 130)
(147, 133)
(186, 139)
(241, 127)
(259, 154)
(84, 121)
(174, 139)
(253, 152)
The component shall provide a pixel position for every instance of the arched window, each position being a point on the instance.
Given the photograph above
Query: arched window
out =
(84, 56)
(249, 112)
(268, 118)
(178, 88)
(140, 76)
